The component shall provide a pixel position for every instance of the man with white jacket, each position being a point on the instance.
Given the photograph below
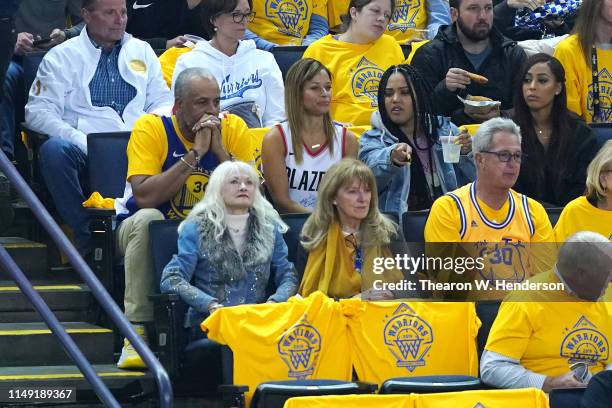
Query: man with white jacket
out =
(101, 81)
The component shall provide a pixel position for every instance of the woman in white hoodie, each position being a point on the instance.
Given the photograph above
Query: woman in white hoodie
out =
(250, 80)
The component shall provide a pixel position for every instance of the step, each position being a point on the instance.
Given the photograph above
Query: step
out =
(28, 344)
(29, 255)
(69, 302)
(122, 383)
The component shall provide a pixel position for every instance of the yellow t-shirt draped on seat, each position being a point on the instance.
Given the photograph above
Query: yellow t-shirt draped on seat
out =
(579, 78)
(524, 398)
(303, 338)
(580, 215)
(285, 22)
(168, 61)
(356, 70)
(404, 339)
(547, 331)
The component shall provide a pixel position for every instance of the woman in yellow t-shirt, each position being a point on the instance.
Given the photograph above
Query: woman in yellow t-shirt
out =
(593, 211)
(347, 237)
(585, 52)
(357, 58)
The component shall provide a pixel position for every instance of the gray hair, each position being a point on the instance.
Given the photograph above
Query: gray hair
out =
(589, 251)
(484, 135)
(212, 206)
(184, 79)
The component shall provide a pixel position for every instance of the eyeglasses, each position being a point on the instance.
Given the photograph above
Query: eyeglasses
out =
(505, 157)
(239, 17)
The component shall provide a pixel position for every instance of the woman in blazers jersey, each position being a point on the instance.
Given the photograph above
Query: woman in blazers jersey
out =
(309, 140)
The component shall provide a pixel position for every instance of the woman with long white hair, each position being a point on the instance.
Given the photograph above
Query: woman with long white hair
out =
(226, 248)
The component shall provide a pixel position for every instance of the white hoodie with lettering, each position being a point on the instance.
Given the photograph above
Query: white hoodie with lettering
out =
(250, 75)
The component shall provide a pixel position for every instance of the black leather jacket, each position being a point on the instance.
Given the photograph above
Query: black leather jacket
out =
(445, 51)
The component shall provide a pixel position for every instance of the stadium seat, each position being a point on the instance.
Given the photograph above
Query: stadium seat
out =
(295, 222)
(430, 384)
(413, 225)
(553, 214)
(107, 162)
(107, 169)
(487, 312)
(565, 397)
(180, 359)
(274, 394)
(602, 131)
(286, 56)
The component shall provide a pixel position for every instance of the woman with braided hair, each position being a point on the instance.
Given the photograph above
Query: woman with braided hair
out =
(403, 147)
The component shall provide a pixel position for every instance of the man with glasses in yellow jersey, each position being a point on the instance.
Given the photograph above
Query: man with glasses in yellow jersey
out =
(496, 223)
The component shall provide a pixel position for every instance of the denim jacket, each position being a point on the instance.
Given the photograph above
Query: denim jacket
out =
(393, 181)
(206, 269)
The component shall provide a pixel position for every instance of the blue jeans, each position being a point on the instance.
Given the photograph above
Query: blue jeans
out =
(64, 168)
(11, 108)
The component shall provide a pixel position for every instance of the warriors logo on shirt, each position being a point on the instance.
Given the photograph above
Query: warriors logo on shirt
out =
(408, 337)
(605, 96)
(291, 13)
(584, 343)
(299, 347)
(365, 80)
(505, 261)
(404, 15)
(235, 88)
(189, 195)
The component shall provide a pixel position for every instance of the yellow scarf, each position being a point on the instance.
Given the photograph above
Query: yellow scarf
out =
(331, 267)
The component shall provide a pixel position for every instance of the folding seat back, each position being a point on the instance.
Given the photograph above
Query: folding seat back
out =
(286, 56)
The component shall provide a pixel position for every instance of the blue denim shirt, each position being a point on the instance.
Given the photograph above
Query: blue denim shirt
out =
(194, 273)
(393, 181)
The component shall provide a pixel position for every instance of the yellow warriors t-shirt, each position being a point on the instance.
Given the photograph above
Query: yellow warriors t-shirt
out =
(285, 22)
(404, 339)
(298, 339)
(547, 331)
(524, 398)
(580, 215)
(356, 70)
(579, 78)
(408, 16)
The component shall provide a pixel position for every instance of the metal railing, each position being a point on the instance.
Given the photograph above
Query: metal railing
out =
(98, 290)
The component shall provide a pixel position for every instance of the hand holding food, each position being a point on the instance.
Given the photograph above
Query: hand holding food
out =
(479, 79)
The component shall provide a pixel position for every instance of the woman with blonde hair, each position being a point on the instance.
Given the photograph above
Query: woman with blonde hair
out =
(226, 247)
(308, 140)
(346, 234)
(592, 211)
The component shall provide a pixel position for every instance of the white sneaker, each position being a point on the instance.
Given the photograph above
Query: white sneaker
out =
(130, 359)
